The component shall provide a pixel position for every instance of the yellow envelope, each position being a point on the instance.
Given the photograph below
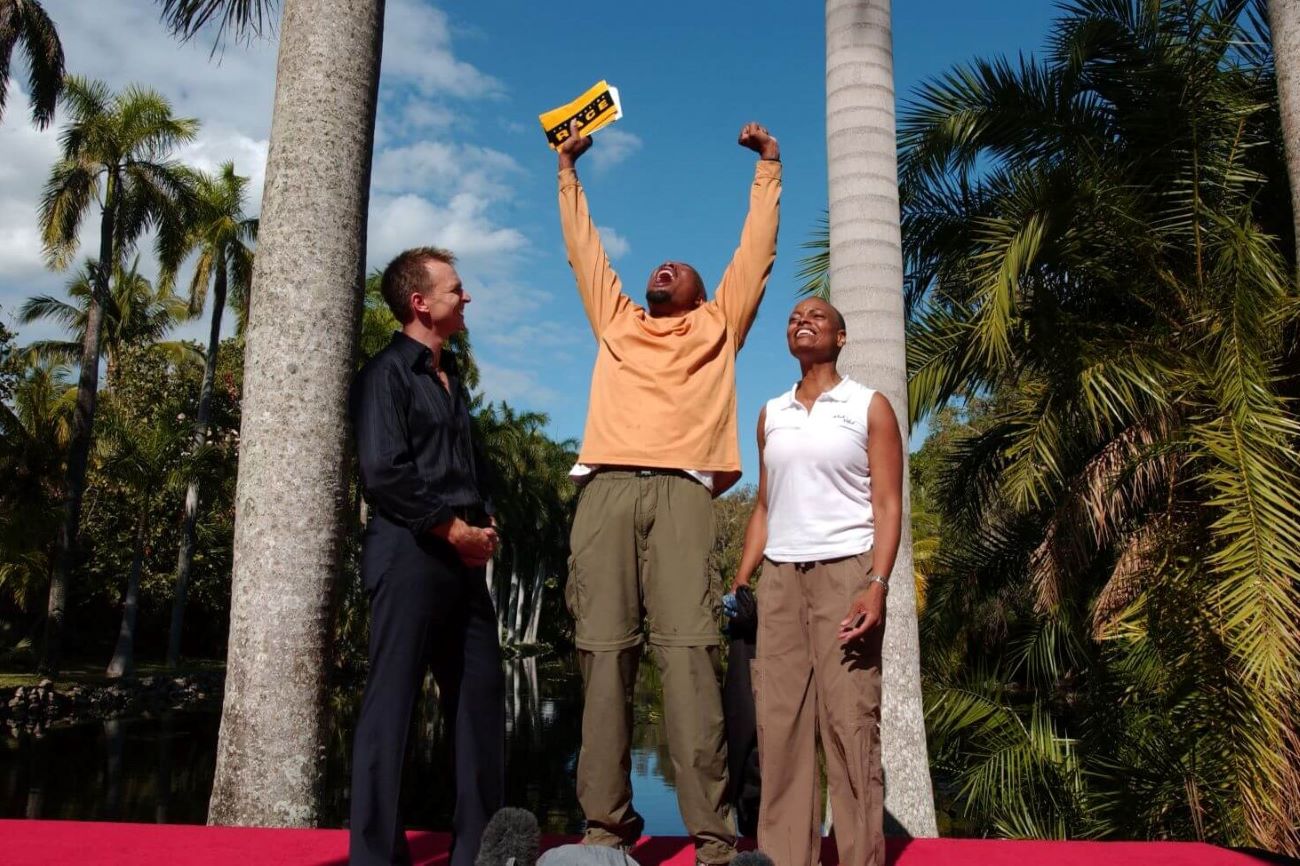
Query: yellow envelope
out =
(595, 109)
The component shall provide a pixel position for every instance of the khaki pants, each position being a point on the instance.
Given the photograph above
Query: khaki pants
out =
(640, 552)
(806, 682)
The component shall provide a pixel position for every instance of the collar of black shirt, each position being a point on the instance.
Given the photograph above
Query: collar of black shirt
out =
(417, 355)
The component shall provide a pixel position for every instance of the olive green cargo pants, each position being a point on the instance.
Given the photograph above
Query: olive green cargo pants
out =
(640, 548)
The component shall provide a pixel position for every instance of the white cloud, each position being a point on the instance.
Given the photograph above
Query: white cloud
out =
(424, 191)
(125, 43)
(444, 168)
(218, 145)
(28, 155)
(417, 49)
(424, 116)
(616, 246)
(461, 225)
(514, 385)
(611, 146)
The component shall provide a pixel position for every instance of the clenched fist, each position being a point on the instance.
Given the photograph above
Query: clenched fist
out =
(756, 137)
(574, 146)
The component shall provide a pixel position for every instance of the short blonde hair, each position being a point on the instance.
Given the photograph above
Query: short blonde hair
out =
(405, 275)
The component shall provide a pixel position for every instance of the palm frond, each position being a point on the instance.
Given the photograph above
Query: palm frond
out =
(242, 19)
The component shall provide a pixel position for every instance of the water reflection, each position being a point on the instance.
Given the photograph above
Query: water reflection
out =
(159, 768)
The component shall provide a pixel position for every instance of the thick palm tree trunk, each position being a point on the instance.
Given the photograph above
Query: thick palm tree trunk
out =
(123, 662)
(189, 532)
(1284, 21)
(83, 423)
(866, 276)
(292, 492)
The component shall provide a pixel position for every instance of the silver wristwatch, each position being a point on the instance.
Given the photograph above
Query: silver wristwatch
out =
(881, 579)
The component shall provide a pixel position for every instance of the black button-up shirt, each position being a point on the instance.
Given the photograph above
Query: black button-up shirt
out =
(419, 467)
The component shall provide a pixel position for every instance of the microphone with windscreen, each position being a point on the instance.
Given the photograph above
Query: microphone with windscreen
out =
(752, 858)
(512, 838)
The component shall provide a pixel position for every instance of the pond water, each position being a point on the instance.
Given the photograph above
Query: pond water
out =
(159, 769)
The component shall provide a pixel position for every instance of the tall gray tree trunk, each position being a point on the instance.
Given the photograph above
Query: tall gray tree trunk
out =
(535, 612)
(866, 274)
(83, 424)
(123, 662)
(1284, 22)
(517, 628)
(190, 531)
(512, 599)
(301, 341)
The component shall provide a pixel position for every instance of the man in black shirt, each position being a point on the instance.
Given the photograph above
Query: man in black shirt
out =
(422, 562)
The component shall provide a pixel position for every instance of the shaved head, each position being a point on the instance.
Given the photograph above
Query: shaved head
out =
(839, 317)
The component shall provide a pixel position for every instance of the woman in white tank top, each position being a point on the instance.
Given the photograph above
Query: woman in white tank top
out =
(826, 525)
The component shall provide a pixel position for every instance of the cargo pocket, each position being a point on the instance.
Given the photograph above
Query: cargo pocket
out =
(573, 590)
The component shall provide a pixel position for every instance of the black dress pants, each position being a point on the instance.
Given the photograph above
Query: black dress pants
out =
(427, 610)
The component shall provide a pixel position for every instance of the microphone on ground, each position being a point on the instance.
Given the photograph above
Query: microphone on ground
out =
(752, 858)
(512, 838)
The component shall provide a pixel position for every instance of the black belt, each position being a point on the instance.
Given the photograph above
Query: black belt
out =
(649, 471)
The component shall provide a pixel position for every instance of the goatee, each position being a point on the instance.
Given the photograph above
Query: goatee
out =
(658, 296)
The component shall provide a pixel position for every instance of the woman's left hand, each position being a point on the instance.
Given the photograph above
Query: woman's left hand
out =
(865, 613)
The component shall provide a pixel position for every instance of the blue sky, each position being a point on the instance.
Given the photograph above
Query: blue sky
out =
(460, 158)
(690, 74)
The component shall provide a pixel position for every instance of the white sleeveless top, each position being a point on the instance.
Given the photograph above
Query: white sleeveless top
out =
(818, 482)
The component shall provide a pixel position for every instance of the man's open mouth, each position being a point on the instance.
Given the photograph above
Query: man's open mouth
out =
(805, 332)
(664, 276)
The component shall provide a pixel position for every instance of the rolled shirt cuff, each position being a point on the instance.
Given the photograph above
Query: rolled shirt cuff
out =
(439, 515)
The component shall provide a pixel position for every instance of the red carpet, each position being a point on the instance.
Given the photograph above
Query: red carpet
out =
(29, 843)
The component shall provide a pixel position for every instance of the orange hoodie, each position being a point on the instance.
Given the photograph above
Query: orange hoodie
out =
(663, 393)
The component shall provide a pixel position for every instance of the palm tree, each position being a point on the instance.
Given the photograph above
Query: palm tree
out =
(25, 23)
(865, 267)
(533, 496)
(301, 342)
(221, 233)
(1099, 243)
(1284, 21)
(34, 433)
(135, 314)
(115, 153)
(145, 457)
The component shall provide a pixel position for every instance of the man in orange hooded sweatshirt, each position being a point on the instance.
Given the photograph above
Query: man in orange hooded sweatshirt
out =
(660, 443)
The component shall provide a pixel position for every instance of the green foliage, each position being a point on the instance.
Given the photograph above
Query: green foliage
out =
(815, 267)
(8, 361)
(242, 19)
(145, 456)
(135, 314)
(730, 517)
(25, 24)
(528, 475)
(116, 150)
(35, 426)
(1098, 264)
(221, 234)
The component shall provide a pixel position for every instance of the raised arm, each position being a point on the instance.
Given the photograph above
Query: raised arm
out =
(743, 282)
(598, 285)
